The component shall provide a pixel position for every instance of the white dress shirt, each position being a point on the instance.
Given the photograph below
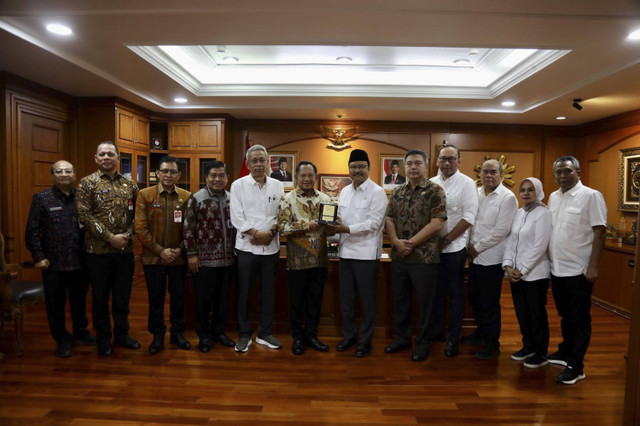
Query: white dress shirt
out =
(462, 203)
(573, 215)
(255, 207)
(493, 224)
(527, 244)
(362, 210)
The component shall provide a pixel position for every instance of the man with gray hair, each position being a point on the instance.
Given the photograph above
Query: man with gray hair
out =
(497, 206)
(578, 219)
(254, 207)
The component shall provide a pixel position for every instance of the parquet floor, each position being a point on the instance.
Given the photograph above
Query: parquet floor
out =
(188, 387)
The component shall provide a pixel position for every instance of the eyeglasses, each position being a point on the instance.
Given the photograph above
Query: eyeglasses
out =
(358, 167)
(258, 160)
(447, 159)
(171, 172)
(63, 171)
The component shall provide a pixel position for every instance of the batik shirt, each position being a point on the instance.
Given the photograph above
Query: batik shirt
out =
(306, 249)
(411, 210)
(53, 231)
(106, 207)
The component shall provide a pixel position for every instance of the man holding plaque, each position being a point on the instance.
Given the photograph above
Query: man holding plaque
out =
(361, 210)
(417, 211)
(298, 215)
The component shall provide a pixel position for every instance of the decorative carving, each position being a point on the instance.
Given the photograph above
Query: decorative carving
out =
(338, 137)
(507, 171)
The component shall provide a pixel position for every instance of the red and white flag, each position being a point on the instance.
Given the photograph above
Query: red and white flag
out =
(244, 170)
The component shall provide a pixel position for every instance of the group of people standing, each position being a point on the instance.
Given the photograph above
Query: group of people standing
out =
(435, 226)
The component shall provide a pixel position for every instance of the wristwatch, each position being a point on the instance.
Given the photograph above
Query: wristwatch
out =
(446, 241)
(273, 232)
(130, 235)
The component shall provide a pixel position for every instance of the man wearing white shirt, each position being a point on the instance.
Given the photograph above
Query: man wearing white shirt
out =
(497, 207)
(462, 206)
(254, 206)
(578, 218)
(361, 213)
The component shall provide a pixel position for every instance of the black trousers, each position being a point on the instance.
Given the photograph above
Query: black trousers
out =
(211, 287)
(110, 273)
(306, 287)
(530, 303)
(156, 277)
(451, 284)
(57, 284)
(485, 287)
(573, 301)
(358, 277)
(250, 266)
(423, 279)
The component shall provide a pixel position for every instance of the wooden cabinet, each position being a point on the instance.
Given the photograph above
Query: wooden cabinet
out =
(192, 167)
(196, 135)
(613, 288)
(131, 129)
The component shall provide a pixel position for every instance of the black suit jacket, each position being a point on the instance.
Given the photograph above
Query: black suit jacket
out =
(399, 179)
(278, 175)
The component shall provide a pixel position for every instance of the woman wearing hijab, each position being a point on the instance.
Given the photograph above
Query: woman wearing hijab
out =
(527, 263)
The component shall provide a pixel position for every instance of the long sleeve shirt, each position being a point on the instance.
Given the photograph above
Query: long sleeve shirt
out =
(208, 232)
(53, 231)
(158, 223)
(106, 206)
(363, 210)
(255, 207)
(493, 224)
(527, 244)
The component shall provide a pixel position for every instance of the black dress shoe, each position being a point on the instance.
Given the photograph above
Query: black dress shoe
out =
(204, 345)
(421, 353)
(396, 347)
(345, 344)
(64, 349)
(179, 339)
(316, 344)
(298, 347)
(363, 351)
(105, 349)
(127, 342)
(451, 350)
(225, 340)
(156, 345)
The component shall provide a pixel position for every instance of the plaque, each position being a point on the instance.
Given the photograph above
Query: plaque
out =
(328, 214)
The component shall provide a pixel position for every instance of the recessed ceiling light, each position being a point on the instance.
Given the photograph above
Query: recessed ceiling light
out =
(508, 103)
(635, 35)
(230, 60)
(462, 62)
(180, 100)
(561, 117)
(343, 59)
(59, 29)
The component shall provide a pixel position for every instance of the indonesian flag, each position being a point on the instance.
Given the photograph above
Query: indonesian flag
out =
(244, 170)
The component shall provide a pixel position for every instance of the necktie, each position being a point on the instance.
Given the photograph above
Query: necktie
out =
(393, 179)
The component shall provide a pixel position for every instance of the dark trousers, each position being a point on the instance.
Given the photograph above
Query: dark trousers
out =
(250, 266)
(573, 301)
(211, 288)
(422, 278)
(306, 287)
(485, 286)
(358, 277)
(57, 284)
(451, 284)
(110, 273)
(156, 277)
(530, 303)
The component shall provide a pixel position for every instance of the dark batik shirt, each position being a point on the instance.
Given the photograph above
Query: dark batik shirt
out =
(106, 207)
(53, 231)
(411, 210)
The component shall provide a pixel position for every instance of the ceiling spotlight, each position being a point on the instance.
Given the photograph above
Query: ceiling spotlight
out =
(634, 35)
(339, 116)
(462, 62)
(230, 60)
(343, 59)
(221, 49)
(180, 100)
(561, 117)
(508, 103)
(473, 52)
(59, 29)
(576, 104)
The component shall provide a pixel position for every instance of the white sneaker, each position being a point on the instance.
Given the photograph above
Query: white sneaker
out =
(270, 341)
(243, 344)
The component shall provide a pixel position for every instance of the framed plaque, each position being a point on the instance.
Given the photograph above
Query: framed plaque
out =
(328, 214)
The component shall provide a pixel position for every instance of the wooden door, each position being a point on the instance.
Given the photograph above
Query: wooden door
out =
(41, 142)
(125, 126)
(182, 135)
(209, 135)
(142, 131)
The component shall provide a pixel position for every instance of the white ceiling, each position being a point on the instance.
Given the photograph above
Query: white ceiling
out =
(582, 52)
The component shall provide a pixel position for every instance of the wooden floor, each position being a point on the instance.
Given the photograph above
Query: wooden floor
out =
(188, 387)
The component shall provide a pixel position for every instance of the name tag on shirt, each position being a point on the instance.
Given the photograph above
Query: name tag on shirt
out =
(177, 216)
(130, 203)
(156, 205)
(55, 209)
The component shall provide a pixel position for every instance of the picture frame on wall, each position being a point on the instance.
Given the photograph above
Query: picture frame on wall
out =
(283, 168)
(628, 179)
(391, 171)
(332, 185)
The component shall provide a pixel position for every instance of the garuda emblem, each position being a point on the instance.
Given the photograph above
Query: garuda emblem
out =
(338, 137)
